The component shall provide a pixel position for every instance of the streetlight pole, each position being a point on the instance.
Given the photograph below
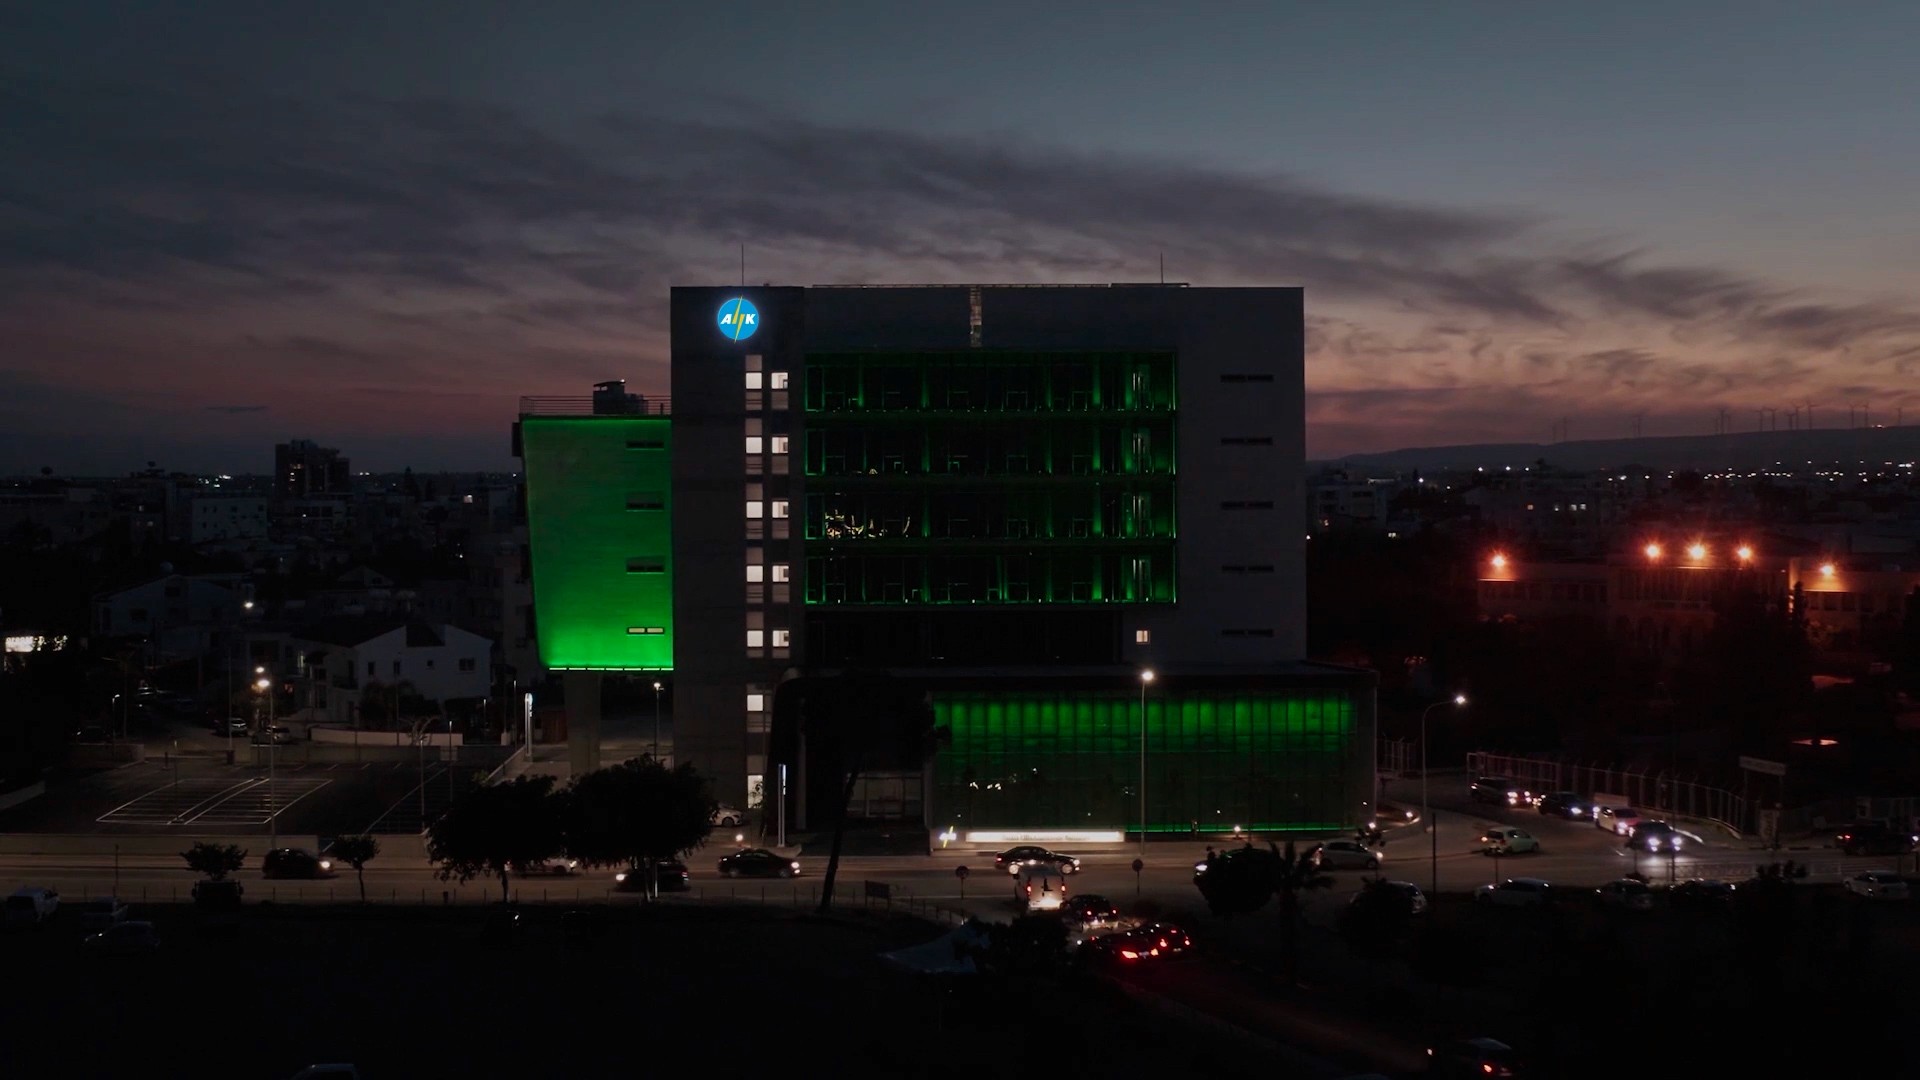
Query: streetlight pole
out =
(656, 720)
(1146, 677)
(453, 755)
(1426, 803)
(420, 745)
(265, 686)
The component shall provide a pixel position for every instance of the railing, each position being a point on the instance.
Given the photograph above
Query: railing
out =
(1397, 757)
(587, 405)
(1663, 792)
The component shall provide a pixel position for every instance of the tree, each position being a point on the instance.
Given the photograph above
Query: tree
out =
(1243, 880)
(1296, 873)
(215, 861)
(492, 829)
(1377, 919)
(852, 722)
(357, 852)
(636, 814)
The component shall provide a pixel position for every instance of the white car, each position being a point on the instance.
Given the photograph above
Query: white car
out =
(1878, 885)
(727, 817)
(1515, 892)
(1618, 820)
(1507, 840)
(1345, 855)
(558, 866)
(32, 906)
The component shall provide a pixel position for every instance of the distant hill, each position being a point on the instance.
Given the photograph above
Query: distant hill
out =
(1742, 450)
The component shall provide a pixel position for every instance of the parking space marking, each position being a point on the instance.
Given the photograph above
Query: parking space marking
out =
(258, 804)
(163, 805)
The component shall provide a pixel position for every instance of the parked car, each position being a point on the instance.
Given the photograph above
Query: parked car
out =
(1012, 859)
(758, 862)
(1655, 836)
(124, 938)
(1516, 892)
(1878, 885)
(30, 906)
(1875, 839)
(91, 733)
(1477, 1058)
(232, 725)
(1564, 804)
(1089, 910)
(726, 817)
(1701, 895)
(102, 912)
(272, 734)
(290, 862)
(673, 874)
(1507, 840)
(1626, 893)
(1498, 790)
(1618, 820)
(1344, 855)
(1416, 900)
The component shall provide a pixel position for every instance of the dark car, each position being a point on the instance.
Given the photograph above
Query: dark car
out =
(1656, 837)
(273, 734)
(1115, 950)
(1875, 840)
(232, 725)
(1703, 896)
(1564, 804)
(1477, 1058)
(1089, 910)
(1164, 938)
(290, 862)
(1495, 789)
(92, 733)
(1012, 859)
(758, 862)
(674, 877)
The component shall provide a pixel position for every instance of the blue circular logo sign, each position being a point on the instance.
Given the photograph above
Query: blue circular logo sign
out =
(739, 318)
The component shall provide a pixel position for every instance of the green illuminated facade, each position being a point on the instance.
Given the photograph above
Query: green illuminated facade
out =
(1264, 759)
(599, 514)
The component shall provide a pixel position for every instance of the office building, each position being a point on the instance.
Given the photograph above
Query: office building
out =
(303, 468)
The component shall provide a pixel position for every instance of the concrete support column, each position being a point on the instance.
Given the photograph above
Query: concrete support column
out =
(583, 720)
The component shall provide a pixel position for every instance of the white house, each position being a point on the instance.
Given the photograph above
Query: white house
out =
(442, 662)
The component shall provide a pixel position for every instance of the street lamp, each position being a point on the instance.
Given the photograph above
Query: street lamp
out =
(656, 720)
(1426, 805)
(1146, 677)
(265, 686)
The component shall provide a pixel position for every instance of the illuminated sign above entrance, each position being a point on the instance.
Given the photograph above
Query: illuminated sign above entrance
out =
(739, 318)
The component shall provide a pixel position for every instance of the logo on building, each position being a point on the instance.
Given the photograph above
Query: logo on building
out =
(739, 318)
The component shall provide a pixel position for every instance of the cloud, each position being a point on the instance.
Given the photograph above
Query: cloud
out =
(235, 408)
(409, 243)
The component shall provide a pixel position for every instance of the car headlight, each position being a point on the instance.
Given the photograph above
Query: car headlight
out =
(621, 876)
(326, 864)
(796, 866)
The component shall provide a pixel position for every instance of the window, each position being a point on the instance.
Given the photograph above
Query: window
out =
(369, 669)
(1248, 505)
(1142, 637)
(396, 667)
(781, 639)
(646, 444)
(756, 639)
(780, 508)
(1246, 378)
(754, 379)
(776, 380)
(647, 500)
(1246, 440)
(467, 663)
(429, 665)
(1258, 568)
(647, 564)
(756, 572)
(756, 510)
(779, 444)
(780, 571)
(756, 445)
(646, 629)
(1238, 632)
(756, 703)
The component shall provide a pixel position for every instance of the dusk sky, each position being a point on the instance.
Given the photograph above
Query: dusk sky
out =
(226, 225)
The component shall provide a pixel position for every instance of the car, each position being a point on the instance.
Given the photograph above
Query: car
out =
(232, 725)
(673, 875)
(91, 733)
(1040, 887)
(1344, 855)
(124, 938)
(1507, 840)
(1875, 839)
(553, 866)
(31, 906)
(1478, 1058)
(1702, 895)
(1165, 938)
(1618, 820)
(1088, 909)
(101, 913)
(1564, 804)
(272, 735)
(290, 862)
(1516, 892)
(1498, 790)
(1415, 899)
(1878, 885)
(726, 817)
(1012, 859)
(1656, 837)
(1626, 893)
(1115, 950)
(758, 862)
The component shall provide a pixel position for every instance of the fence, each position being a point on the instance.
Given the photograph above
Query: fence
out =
(1664, 793)
(1397, 757)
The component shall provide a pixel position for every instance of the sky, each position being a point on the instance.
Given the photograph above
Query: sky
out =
(378, 224)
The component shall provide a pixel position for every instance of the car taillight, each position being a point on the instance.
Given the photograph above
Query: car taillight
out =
(1488, 1069)
(1129, 954)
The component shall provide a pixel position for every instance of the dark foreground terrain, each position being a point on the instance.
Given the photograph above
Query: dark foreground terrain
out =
(426, 992)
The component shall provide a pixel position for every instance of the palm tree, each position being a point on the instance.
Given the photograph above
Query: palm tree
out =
(1293, 873)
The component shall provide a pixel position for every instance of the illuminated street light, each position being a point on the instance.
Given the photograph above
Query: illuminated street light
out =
(1826, 569)
(1652, 550)
(1744, 553)
(1426, 804)
(1146, 676)
(1499, 562)
(1697, 552)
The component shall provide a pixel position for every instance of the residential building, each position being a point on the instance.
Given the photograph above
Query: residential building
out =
(350, 654)
(303, 468)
